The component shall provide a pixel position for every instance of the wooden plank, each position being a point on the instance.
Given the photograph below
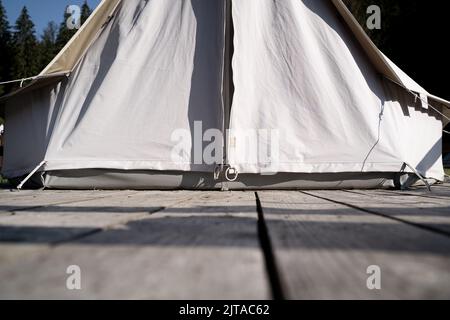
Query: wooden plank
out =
(437, 192)
(410, 196)
(202, 247)
(61, 216)
(323, 249)
(11, 201)
(64, 220)
(443, 185)
(433, 213)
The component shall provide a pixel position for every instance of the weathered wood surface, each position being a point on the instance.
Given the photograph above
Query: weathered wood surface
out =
(429, 210)
(209, 245)
(153, 245)
(323, 247)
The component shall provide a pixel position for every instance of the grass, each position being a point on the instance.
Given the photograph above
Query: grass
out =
(3, 182)
(447, 172)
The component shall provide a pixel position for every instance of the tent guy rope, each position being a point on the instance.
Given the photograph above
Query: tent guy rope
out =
(18, 80)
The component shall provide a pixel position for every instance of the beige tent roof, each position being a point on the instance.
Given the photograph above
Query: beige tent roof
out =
(69, 56)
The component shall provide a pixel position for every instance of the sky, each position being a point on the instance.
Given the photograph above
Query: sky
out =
(42, 11)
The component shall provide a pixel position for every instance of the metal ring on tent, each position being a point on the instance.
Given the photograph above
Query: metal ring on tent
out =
(233, 172)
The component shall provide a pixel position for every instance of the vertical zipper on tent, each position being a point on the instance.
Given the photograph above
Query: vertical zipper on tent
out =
(227, 87)
(228, 69)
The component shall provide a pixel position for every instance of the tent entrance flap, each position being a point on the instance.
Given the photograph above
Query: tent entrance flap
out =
(228, 85)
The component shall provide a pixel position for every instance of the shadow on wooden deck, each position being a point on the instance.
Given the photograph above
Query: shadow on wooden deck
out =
(207, 245)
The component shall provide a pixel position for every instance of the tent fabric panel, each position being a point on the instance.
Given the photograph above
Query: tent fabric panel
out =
(30, 119)
(420, 132)
(154, 72)
(298, 70)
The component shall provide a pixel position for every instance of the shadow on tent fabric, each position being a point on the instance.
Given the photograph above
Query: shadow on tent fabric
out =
(107, 59)
(432, 156)
(382, 88)
(326, 11)
(56, 110)
(206, 82)
(137, 15)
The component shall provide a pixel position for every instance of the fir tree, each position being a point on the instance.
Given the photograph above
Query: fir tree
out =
(48, 44)
(85, 12)
(5, 49)
(25, 47)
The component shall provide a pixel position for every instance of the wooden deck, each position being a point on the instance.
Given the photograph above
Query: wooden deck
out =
(225, 245)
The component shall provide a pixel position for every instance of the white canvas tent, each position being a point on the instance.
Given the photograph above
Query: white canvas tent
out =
(104, 112)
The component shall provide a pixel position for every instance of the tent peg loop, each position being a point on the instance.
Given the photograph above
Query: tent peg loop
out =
(231, 174)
